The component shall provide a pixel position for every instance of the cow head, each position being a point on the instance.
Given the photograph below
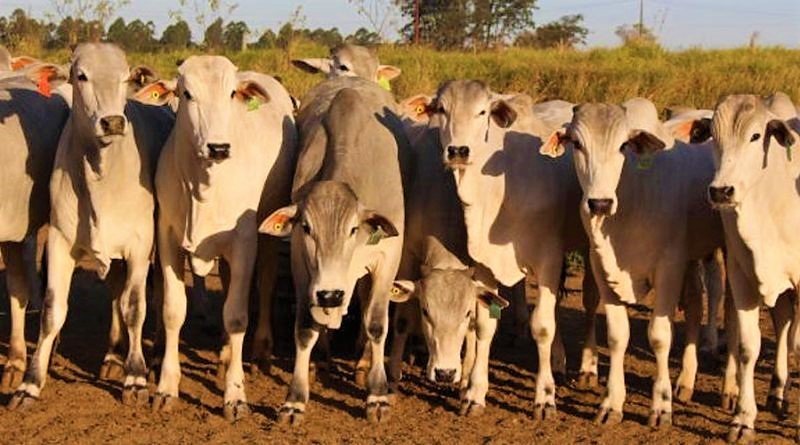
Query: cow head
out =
(350, 60)
(447, 300)
(329, 228)
(744, 131)
(463, 112)
(600, 138)
(210, 92)
(100, 79)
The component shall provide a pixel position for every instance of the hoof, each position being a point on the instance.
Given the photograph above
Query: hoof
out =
(165, 403)
(290, 416)
(361, 377)
(660, 420)
(684, 394)
(21, 400)
(236, 410)
(587, 381)
(729, 402)
(111, 369)
(543, 411)
(778, 407)
(222, 370)
(378, 412)
(471, 409)
(135, 395)
(12, 378)
(741, 435)
(608, 417)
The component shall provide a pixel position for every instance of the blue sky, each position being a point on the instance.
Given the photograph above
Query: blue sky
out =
(679, 23)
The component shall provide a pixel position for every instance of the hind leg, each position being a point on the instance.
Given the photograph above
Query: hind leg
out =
(267, 267)
(19, 291)
(113, 362)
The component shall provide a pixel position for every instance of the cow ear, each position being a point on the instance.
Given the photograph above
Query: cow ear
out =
(402, 291)
(160, 92)
(695, 131)
(418, 107)
(46, 76)
(502, 114)
(779, 130)
(249, 90)
(379, 227)
(387, 72)
(643, 142)
(554, 146)
(280, 223)
(142, 75)
(20, 62)
(313, 66)
(489, 297)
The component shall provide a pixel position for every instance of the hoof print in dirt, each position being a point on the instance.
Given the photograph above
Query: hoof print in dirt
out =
(21, 400)
(684, 394)
(586, 381)
(135, 395)
(165, 403)
(660, 420)
(544, 411)
(471, 409)
(290, 416)
(739, 434)
(729, 402)
(778, 407)
(111, 369)
(236, 410)
(608, 417)
(378, 412)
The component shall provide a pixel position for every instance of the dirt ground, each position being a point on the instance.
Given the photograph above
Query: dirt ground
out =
(76, 407)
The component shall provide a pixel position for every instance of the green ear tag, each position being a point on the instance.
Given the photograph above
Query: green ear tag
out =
(494, 311)
(789, 153)
(253, 103)
(645, 162)
(384, 83)
(376, 236)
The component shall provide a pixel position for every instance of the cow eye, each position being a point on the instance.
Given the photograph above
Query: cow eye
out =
(353, 231)
(623, 147)
(187, 95)
(426, 314)
(482, 113)
(233, 94)
(343, 68)
(468, 314)
(82, 77)
(306, 227)
(440, 109)
(576, 145)
(755, 137)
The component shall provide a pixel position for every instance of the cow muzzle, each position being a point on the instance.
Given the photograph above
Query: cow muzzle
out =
(218, 152)
(721, 196)
(457, 156)
(111, 126)
(444, 375)
(330, 298)
(600, 207)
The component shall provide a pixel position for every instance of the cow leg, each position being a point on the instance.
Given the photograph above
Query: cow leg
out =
(781, 318)
(174, 314)
(591, 299)
(715, 284)
(693, 314)
(747, 302)
(403, 320)
(730, 385)
(470, 352)
(267, 266)
(376, 324)
(19, 289)
(305, 336)
(54, 313)
(113, 363)
(363, 289)
(617, 325)
(224, 356)
(474, 400)
(794, 344)
(543, 329)
(133, 308)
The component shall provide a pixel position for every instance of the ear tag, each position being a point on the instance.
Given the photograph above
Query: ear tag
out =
(494, 311)
(44, 84)
(253, 103)
(789, 153)
(419, 110)
(376, 236)
(384, 83)
(395, 291)
(644, 162)
(155, 94)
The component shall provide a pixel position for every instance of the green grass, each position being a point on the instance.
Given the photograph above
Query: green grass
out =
(692, 77)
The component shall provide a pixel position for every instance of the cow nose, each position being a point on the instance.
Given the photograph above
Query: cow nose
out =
(460, 153)
(444, 375)
(600, 206)
(219, 152)
(112, 125)
(330, 298)
(721, 195)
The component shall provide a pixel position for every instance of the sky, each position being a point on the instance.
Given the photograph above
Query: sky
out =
(678, 23)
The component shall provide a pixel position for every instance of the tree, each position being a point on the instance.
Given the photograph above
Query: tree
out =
(636, 34)
(494, 22)
(325, 37)
(566, 32)
(364, 37)
(380, 14)
(213, 37)
(235, 36)
(20, 32)
(268, 39)
(176, 36)
(117, 32)
(203, 10)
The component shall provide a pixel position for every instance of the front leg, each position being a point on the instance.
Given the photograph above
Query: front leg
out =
(133, 308)
(692, 298)
(376, 324)
(591, 299)
(19, 286)
(618, 328)
(781, 319)
(474, 400)
(543, 329)
(112, 368)
(305, 336)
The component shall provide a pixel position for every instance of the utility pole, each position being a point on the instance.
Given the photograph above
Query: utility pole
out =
(641, 18)
(416, 22)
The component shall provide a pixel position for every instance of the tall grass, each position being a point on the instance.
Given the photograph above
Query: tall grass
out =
(692, 77)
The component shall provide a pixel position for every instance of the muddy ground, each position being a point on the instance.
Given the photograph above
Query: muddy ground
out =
(76, 407)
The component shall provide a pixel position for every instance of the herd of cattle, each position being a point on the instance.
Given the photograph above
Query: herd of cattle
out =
(431, 203)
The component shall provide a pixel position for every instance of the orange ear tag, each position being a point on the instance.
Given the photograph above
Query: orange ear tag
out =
(44, 83)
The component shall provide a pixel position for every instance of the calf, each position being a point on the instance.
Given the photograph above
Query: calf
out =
(350, 61)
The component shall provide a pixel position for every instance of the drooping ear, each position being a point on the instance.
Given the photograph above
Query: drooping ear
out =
(779, 130)
(280, 223)
(488, 297)
(555, 145)
(314, 66)
(387, 72)
(418, 107)
(402, 291)
(379, 226)
(695, 131)
(160, 92)
(643, 142)
(142, 75)
(502, 114)
(249, 90)
(46, 76)
(20, 62)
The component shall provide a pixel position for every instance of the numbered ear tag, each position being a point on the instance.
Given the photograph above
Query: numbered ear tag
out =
(376, 236)
(384, 83)
(494, 311)
(253, 103)
(644, 162)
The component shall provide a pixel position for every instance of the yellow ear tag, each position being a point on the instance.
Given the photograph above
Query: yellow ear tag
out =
(644, 162)
(155, 95)
(384, 83)
(253, 103)
(278, 226)
(395, 291)
(376, 236)
(419, 110)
